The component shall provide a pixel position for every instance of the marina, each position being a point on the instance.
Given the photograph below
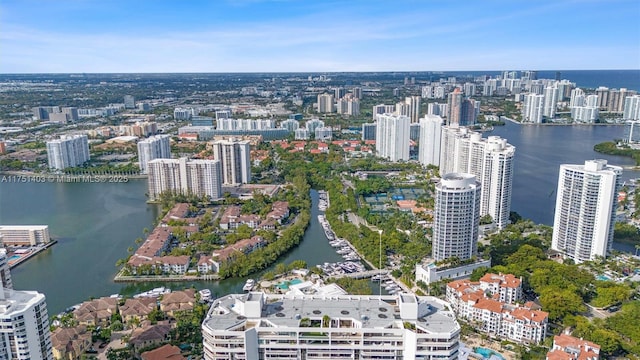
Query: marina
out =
(248, 286)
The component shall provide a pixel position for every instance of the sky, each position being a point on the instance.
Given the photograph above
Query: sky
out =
(95, 36)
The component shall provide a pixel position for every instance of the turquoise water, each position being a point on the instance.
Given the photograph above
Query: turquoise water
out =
(14, 257)
(285, 284)
(603, 278)
(487, 353)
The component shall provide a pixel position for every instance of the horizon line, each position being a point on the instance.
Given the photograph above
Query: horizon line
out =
(304, 72)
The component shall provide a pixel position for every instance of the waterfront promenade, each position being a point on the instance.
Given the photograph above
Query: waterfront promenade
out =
(14, 261)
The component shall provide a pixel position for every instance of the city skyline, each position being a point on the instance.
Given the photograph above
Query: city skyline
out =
(278, 36)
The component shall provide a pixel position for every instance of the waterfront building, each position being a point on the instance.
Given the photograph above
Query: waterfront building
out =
(550, 101)
(155, 147)
(369, 131)
(532, 110)
(585, 114)
(234, 156)
(25, 331)
(430, 138)
(5, 273)
(632, 108)
(68, 151)
(183, 176)
(257, 325)
(632, 131)
(456, 216)
(454, 117)
(585, 210)
(325, 103)
(129, 102)
(24, 235)
(603, 97)
(392, 137)
(567, 347)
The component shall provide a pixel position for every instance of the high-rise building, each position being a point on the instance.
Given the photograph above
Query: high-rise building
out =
(430, 138)
(71, 113)
(323, 133)
(496, 179)
(3, 147)
(455, 107)
(25, 326)
(632, 131)
(325, 103)
(357, 92)
(585, 210)
(414, 108)
(353, 107)
(603, 97)
(456, 216)
(5, 273)
(532, 110)
(489, 160)
(129, 102)
(68, 151)
(234, 156)
(550, 101)
(261, 326)
(392, 137)
(183, 176)
(383, 109)
(154, 147)
(632, 108)
(469, 113)
(369, 131)
(339, 93)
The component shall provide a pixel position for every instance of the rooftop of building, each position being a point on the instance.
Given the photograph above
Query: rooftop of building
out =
(378, 312)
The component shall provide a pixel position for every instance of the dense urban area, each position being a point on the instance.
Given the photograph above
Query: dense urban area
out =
(410, 187)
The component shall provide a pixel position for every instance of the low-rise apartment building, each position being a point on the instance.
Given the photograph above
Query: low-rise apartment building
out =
(24, 235)
(567, 347)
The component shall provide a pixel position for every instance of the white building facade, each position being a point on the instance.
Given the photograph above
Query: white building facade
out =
(456, 216)
(68, 151)
(24, 334)
(154, 147)
(392, 137)
(257, 326)
(183, 176)
(585, 208)
(430, 138)
(235, 158)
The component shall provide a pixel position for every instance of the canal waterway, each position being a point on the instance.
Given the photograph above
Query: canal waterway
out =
(95, 223)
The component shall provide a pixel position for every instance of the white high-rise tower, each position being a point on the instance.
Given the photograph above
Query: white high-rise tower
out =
(496, 178)
(392, 136)
(68, 151)
(456, 217)
(235, 158)
(585, 209)
(155, 147)
(430, 137)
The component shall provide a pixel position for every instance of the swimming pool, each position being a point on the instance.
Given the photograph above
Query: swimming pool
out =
(487, 353)
(14, 257)
(603, 278)
(285, 284)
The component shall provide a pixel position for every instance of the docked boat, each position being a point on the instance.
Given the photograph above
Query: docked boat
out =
(248, 286)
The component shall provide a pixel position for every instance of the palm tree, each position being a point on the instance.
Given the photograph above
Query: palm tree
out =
(637, 248)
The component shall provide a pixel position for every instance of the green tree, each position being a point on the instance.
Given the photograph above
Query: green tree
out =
(560, 303)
